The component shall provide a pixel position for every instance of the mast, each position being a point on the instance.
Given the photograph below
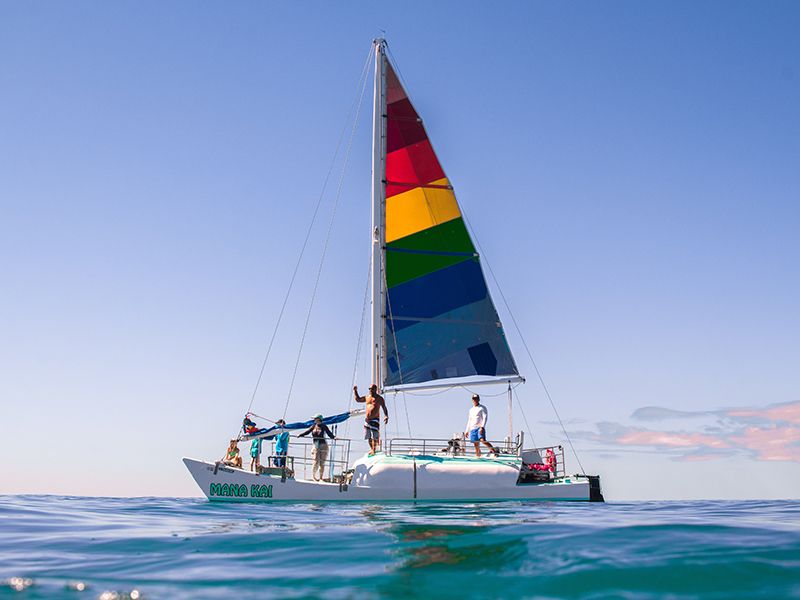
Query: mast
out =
(378, 343)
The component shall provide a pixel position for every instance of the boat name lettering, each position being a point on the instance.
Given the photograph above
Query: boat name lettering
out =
(228, 489)
(261, 491)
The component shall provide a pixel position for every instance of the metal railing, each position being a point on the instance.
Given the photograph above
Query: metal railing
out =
(455, 446)
(557, 470)
(299, 460)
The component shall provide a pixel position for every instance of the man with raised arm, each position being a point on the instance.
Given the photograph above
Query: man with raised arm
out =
(372, 425)
(476, 426)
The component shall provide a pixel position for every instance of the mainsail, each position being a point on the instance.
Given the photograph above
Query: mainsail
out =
(440, 321)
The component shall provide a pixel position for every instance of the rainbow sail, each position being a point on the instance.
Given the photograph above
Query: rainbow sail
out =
(440, 319)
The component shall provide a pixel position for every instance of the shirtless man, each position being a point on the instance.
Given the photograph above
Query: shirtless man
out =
(372, 425)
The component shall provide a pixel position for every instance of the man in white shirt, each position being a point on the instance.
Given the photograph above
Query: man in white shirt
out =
(476, 426)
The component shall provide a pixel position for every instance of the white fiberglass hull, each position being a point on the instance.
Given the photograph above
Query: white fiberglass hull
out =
(385, 479)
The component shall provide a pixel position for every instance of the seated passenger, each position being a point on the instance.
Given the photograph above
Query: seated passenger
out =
(232, 457)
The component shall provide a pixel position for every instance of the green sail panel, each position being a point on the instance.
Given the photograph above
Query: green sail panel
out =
(427, 251)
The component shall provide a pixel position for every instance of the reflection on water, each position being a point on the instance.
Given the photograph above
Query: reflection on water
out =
(469, 547)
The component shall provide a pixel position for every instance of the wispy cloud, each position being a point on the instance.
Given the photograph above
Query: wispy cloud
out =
(659, 413)
(767, 433)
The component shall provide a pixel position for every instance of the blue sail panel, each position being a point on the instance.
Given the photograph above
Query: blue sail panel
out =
(461, 343)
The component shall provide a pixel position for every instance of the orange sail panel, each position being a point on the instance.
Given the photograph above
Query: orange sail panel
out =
(441, 321)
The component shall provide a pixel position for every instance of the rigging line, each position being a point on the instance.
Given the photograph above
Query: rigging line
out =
(484, 395)
(524, 418)
(397, 427)
(396, 69)
(524, 343)
(458, 385)
(396, 352)
(391, 318)
(252, 414)
(359, 342)
(423, 395)
(364, 73)
(408, 421)
(325, 245)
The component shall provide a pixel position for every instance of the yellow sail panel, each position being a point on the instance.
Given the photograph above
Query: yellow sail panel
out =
(419, 209)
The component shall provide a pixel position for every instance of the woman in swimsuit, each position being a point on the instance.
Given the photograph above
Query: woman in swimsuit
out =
(232, 457)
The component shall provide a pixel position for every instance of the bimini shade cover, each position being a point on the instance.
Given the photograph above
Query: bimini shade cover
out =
(440, 319)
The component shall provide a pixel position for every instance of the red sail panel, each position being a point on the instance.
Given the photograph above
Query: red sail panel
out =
(410, 159)
(410, 167)
(394, 89)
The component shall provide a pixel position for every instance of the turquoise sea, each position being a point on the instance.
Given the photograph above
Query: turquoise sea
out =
(52, 546)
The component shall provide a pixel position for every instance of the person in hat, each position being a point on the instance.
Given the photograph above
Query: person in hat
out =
(476, 426)
(319, 453)
(281, 444)
(372, 423)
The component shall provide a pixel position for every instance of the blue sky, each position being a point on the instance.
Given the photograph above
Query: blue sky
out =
(631, 171)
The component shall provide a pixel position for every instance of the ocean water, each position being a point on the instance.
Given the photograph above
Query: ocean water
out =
(51, 546)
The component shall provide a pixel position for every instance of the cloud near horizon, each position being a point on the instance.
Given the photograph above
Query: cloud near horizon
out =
(768, 433)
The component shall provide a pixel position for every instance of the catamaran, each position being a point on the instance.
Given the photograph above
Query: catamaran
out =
(433, 326)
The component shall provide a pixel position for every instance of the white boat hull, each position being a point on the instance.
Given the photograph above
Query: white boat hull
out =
(380, 478)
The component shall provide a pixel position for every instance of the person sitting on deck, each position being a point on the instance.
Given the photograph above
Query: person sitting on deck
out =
(232, 457)
(372, 424)
(476, 426)
(281, 444)
(319, 453)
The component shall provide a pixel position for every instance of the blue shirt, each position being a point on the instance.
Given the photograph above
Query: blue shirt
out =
(282, 442)
(255, 448)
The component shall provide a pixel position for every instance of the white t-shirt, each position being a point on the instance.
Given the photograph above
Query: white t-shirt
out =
(478, 415)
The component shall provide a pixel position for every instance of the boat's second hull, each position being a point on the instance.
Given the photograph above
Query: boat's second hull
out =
(225, 484)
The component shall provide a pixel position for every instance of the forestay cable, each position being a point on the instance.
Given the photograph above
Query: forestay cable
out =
(524, 343)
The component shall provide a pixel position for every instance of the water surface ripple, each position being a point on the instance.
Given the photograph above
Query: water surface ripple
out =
(187, 548)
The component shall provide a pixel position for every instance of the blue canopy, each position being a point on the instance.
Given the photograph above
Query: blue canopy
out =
(271, 432)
